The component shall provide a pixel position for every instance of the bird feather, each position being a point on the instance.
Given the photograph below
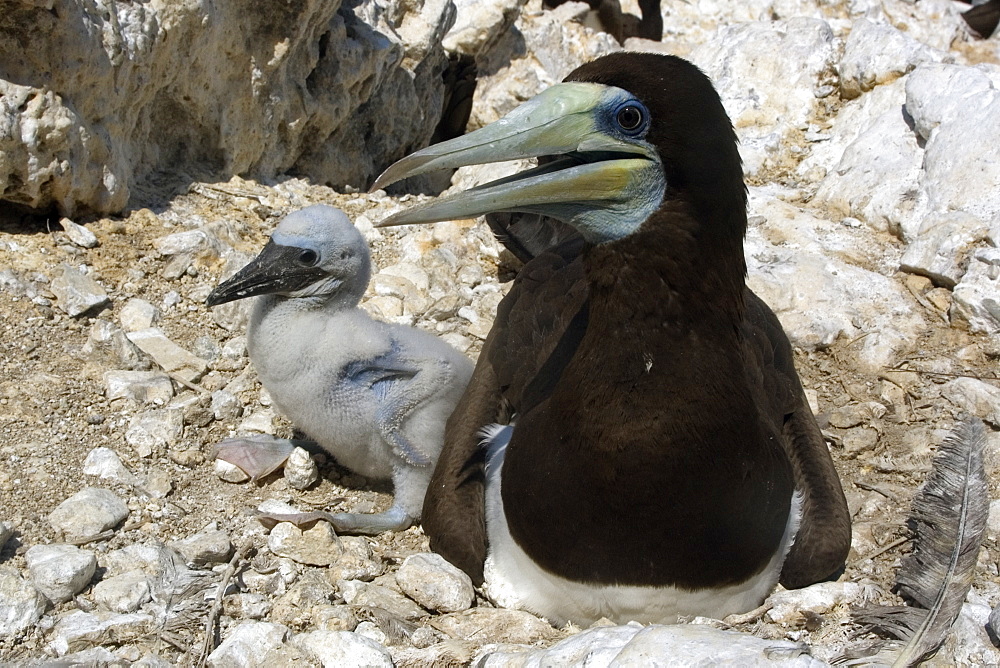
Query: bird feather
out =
(948, 519)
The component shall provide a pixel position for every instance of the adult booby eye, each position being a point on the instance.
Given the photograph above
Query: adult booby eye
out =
(631, 117)
(308, 258)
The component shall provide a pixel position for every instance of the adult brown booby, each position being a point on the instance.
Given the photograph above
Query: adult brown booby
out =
(634, 442)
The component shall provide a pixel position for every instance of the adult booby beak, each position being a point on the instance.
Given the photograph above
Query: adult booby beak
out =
(277, 269)
(607, 180)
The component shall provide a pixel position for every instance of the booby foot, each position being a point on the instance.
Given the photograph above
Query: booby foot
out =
(257, 456)
(394, 519)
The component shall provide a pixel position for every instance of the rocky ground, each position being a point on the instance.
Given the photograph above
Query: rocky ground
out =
(866, 131)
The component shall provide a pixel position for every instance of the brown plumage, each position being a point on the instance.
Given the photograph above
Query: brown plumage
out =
(660, 425)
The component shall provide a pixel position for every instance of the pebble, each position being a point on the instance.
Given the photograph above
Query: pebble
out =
(21, 605)
(316, 545)
(123, 593)
(309, 594)
(106, 463)
(209, 546)
(170, 356)
(79, 234)
(226, 407)
(150, 432)
(59, 571)
(138, 314)
(335, 618)
(229, 472)
(88, 513)
(247, 644)
(356, 562)
(360, 593)
(5, 533)
(260, 421)
(144, 387)
(246, 605)
(183, 248)
(343, 649)
(78, 293)
(434, 583)
(635, 646)
(497, 624)
(79, 630)
(300, 469)
(108, 340)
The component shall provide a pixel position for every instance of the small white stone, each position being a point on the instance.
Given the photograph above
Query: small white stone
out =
(343, 648)
(79, 234)
(208, 546)
(139, 386)
(138, 314)
(316, 546)
(106, 463)
(60, 571)
(170, 356)
(77, 631)
(434, 583)
(300, 469)
(787, 606)
(123, 593)
(259, 422)
(246, 644)
(229, 472)
(88, 513)
(78, 293)
(150, 432)
(21, 605)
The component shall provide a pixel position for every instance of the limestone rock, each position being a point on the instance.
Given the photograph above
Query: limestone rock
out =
(83, 630)
(170, 356)
(974, 396)
(208, 546)
(21, 605)
(499, 624)
(434, 583)
(300, 469)
(247, 645)
(60, 571)
(139, 386)
(78, 293)
(976, 301)
(941, 251)
(123, 593)
(343, 648)
(106, 463)
(316, 545)
(290, 86)
(138, 314)
(87, 513)
(877, 53)
(373, 595)
(151, 432)
(787, 606)
(79, 234)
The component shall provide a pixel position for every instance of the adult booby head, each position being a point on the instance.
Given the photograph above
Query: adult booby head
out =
(374, 395)
(658, 454)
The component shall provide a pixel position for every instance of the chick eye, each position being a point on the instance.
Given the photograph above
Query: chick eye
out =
(308, 258)
(629, 117)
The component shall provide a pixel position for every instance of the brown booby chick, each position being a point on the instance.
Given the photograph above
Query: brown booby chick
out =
(374, 395)
(635, 442)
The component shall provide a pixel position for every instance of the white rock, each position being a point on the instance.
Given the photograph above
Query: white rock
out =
(434, 583)
(343, 649)
(226, 406)
(81, 630)
(478, 25)
(5, 533)
(300, 469)
(766, 74)
(316, 545)
(358, 593)
(247, 644)
(107, 339)
(943, 247)
(976, 301)
(183, 248)
(635, 646)
(60, 571)
(106, 463)
(877, 53)
(170, 356)
(299, 84)
(974, 396)
(787, 606)
(150, 432)
(79, 234)
(497, 624)
(139, 386)
(88, 513)
(246, 605)
(123, 593)
(229, 472)
(209, 546)
(138, 314)
(953, 108)
(78, 293)
(21, 605)
(873, 161)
